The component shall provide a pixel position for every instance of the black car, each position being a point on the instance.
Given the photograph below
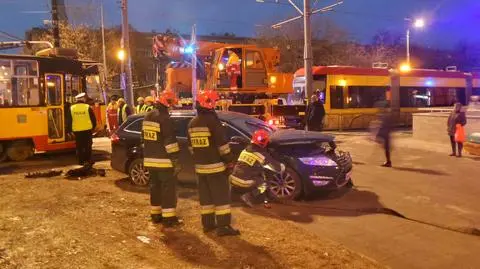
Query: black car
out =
(311, 158)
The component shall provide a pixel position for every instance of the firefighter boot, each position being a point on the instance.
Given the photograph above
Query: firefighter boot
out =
(227, 231)
(172, 222)
(156, 218)
(247, 199)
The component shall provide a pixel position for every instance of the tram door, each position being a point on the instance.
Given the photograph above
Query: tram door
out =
(55, 116)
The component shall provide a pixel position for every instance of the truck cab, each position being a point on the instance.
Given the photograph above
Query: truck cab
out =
(248, 69)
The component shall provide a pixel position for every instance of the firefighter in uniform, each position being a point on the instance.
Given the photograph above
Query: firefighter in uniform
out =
(210, 148)
(140, 105)
(83, 123)
(160, 157)
(148, 106)
(249, 172)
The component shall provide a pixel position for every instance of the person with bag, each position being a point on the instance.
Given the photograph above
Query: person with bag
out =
(456, 132)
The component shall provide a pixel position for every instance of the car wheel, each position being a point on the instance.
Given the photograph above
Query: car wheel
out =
(138, 174)
(286, 186)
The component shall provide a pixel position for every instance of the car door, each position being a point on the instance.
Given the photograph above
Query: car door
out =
(187, 173)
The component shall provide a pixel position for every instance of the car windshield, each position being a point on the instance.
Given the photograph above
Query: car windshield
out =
(255, 125)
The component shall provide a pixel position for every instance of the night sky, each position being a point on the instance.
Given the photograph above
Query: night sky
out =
(449, 21)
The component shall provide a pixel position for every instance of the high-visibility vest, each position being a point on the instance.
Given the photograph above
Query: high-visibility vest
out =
(140, 108)
(81, 117)
(122, 111)
(147, 108)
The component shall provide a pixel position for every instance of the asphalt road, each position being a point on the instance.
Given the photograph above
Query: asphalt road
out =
(438, 194)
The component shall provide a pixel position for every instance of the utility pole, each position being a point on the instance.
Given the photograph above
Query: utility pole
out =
(307, 52)
(127, 64)
(105, 70)
(56, 30)
(193, 42)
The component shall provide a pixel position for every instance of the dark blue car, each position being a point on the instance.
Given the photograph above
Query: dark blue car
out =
(311, 158)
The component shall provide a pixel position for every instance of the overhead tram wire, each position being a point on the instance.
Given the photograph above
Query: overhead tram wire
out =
(10, 36)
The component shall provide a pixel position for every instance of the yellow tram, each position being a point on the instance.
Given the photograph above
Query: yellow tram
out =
(35, 96)
(350, 94)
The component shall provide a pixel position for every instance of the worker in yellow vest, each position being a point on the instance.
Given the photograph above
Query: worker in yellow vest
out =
(140, 108)
(123, 111)
(83, 123)
(148, 104)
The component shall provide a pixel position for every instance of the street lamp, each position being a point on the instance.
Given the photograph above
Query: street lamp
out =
(405, 67)
(121, 55)
(417, 23)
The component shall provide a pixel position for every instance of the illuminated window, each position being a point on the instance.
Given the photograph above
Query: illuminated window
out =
(254, 60)
(365, 96)
(19, 83)
(430, 96)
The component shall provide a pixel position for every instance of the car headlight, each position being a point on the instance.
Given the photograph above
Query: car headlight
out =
(318, 161)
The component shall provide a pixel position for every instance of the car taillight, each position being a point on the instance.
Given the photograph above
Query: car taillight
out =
(114, 138)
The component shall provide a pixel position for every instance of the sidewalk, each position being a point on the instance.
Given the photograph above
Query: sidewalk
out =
(400, 139)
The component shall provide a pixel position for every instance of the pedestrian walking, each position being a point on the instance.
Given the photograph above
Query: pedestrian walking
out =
(315, 114)
(83, 123)
(160, 155)
(123, 111)
(384, 130)
(211, 152)
(456, 132)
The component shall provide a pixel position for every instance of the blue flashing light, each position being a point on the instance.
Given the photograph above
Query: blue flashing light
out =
(429, 83)
(188, 50)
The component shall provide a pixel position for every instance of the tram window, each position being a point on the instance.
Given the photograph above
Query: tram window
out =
(336, 97)
(72, 87)
(476, 91)
(19, 85)
(26, 91)
(94, 90)
(25, 68)
(365, 96)
(429, 97)
(54, 90)
(5, 84)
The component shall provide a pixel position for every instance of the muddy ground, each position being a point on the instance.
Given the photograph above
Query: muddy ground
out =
(97, 222)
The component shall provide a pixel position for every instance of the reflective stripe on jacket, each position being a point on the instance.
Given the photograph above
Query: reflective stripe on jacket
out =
(249, 167)
(159, 140)
(208, 143)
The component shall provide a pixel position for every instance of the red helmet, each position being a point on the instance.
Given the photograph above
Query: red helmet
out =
(167, 98)
(261, 138)
(207, 99)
